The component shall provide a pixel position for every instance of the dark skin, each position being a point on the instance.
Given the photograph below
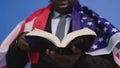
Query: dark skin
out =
(22, 44)
(78, 58)
(61, 6)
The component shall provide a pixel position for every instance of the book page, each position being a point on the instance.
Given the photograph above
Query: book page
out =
(66, 40)
(85, 31)
(44, 34)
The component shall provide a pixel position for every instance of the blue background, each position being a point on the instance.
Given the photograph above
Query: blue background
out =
(14, 11)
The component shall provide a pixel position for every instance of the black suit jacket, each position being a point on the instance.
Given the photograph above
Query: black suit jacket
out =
(17, 59)
(85, 61)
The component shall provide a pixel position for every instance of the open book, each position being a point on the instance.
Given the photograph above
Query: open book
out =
(41, 38)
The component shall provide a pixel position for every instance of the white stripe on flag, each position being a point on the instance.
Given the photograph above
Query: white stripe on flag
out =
(114, 40)
(28, 26)
(8, 40)
(117, 59)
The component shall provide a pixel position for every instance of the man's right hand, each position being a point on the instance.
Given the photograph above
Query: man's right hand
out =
(22, 44)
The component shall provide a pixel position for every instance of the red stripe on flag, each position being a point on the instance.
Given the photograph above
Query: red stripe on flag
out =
(118, 67)
(5, 66)
(41, 20)
(117, 55)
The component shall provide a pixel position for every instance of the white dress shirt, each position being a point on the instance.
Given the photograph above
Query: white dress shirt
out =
(55, 21)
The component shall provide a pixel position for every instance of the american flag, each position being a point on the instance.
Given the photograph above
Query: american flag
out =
(107, 40)
(108, 36)
(116, 54)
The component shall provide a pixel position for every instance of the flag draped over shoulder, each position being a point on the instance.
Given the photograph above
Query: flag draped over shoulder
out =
(108, 37)
(36, 20)
(107, 41)
(6, 43)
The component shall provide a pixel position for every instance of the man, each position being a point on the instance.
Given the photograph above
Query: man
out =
(47, 19)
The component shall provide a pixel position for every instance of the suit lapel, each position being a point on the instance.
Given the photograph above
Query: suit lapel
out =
(48, 24)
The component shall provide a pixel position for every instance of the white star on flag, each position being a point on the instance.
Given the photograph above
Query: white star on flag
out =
(94, 47)
(105, 29)
(99, 21)
(114, 30)
(90, 23)
(82, 21)
(84, 18)
(100, 39)
(81, 12)
(107, 23)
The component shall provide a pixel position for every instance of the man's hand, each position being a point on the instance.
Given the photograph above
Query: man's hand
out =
(22, 44)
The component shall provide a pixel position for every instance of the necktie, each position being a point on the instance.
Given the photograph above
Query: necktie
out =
(61, 27)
